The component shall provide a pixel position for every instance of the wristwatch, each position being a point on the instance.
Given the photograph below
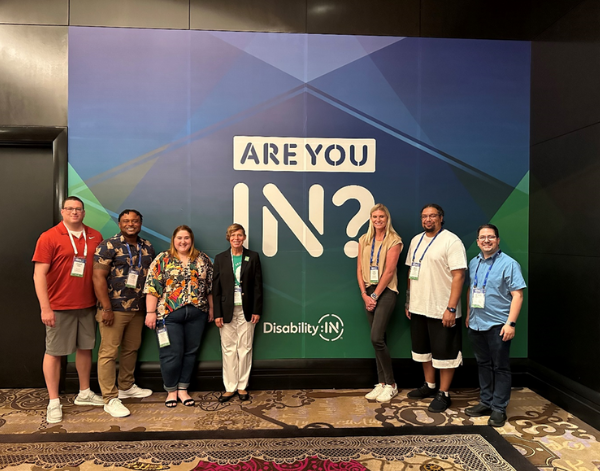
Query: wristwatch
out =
(374, 296)
(511, 324)
(452, 310)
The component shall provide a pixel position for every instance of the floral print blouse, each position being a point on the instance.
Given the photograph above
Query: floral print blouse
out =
(176, 285)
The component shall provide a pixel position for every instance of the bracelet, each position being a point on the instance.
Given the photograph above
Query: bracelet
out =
(105, 310)
(150, 312)
(364, 292)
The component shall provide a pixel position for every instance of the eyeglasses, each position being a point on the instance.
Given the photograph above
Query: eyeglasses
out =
(429, 216)
(484, 238)
(73, 210)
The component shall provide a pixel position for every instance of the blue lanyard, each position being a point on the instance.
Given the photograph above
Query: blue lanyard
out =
(373, 250)
(139, 255)
(488, 272)
(426, 249)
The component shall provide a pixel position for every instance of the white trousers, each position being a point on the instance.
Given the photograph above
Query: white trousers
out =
(236, 345)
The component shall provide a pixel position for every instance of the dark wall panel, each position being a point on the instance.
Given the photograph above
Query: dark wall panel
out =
(30, 193)
(564, 74)
(565, 172)
(567, 327)
(33, 75)
(375, 17)
(259, 15)
(166, 14)
(35, 12)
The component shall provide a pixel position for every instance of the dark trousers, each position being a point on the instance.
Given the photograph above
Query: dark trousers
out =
(379, 320)
(185, 327)
(493, 362)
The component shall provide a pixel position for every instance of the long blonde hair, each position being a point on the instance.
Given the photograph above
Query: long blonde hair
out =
(193, 253)
(388, 227)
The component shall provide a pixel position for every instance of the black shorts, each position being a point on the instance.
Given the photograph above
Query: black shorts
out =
(431, 341)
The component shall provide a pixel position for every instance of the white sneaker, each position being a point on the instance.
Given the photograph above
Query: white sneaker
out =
(375, 393)
(92, 399)
(116, 408)
(54, 414)
(388, 393)
(134, 391)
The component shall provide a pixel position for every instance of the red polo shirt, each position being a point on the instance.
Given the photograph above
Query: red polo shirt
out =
(54, 247)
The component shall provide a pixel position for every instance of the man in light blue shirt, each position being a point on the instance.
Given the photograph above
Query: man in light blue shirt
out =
(495, 298)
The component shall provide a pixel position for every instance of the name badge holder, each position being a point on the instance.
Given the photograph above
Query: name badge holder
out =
(415, 267)
(237, 295)
(374, 267)
(134, 273)
(414, 271)
(78, 268)
(478, 294)
(161, 332)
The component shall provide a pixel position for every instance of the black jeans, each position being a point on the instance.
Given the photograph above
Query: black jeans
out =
(379, 320)
(493, 362)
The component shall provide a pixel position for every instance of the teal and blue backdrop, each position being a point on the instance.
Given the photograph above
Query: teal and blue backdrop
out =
(295, 136)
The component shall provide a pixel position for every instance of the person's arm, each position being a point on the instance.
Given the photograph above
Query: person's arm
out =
(507, 333)
(407, 303)
(258, 292)
(216, 292)
(391, 265)
(458, 279)
(211, 312)
(101, 289)
(151, 303)
(468, 308)
(40, 271)
(369, 302)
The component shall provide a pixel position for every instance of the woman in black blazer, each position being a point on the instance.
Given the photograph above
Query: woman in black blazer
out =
(238, 300)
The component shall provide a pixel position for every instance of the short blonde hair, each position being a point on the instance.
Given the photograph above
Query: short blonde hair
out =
(234, 228)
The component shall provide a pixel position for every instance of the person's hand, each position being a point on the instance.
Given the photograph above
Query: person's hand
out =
(449, 319)
(370, 303)
(406, 311)
(507, 333)
(219, 322)
(255, 318)
(108, 317)
(467, 318)
(211, 314)
(151, 320)
(48, 317)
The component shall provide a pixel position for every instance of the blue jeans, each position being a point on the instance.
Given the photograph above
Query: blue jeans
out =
(185, 327)
(493, 362)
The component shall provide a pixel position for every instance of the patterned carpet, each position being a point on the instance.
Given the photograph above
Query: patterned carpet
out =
(549, 437)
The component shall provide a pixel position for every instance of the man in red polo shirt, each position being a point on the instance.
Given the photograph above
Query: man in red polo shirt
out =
(64, 258)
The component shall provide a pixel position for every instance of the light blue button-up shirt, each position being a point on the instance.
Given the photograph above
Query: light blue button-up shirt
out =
(505, 276)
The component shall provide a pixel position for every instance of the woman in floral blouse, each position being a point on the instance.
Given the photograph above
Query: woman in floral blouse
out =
(178, 291)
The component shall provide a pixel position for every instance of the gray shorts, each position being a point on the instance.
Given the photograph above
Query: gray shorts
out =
(74, 329)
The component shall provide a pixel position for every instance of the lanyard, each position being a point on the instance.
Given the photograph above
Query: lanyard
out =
(139, 247)
(373, 250)
(427, 248)
(488, 272)
(73, 242)
(237, 282)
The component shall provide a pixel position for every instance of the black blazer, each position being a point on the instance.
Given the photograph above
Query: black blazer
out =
(223, 284)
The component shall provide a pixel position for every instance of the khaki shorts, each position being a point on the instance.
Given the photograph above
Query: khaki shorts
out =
(73, 330)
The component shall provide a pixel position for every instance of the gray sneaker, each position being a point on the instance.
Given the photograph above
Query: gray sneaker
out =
(92, 399)
(134, 391)
(54, 414)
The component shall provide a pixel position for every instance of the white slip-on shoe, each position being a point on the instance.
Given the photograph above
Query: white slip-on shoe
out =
(116, 408)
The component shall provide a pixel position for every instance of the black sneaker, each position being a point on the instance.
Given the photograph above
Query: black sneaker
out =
(497, 419)
(478, 411)
(422, 392)
(440, 403)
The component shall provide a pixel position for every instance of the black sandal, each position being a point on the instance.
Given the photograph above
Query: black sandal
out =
(171, 403)
(188, 402)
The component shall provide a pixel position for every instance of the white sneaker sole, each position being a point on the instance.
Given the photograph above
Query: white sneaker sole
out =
(123, 395)
(386, 399)
(117, 415)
